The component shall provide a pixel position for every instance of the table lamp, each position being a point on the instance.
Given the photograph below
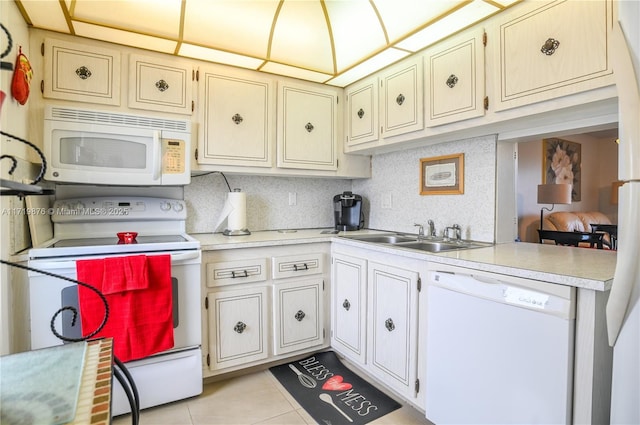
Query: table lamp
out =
(555, 193)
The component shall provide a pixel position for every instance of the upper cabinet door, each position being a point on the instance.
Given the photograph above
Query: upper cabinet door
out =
(307, 127)
(158, 85)
(455, 79)
(552, 50)
(236, 120)
(402, 98)
(81, 73)
(362, 107)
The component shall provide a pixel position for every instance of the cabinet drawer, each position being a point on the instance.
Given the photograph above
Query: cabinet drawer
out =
(233, 272)
(298, 265)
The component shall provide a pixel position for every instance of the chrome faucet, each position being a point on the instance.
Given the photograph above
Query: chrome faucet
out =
(457, 232)
(420, 230)
(432, 229)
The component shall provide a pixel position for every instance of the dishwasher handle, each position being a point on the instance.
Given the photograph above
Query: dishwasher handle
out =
(498, 290)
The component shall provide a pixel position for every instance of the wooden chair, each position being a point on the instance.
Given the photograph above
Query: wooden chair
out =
(572, 238)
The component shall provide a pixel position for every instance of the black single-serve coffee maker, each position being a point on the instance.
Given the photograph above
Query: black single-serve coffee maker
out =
(347, 211)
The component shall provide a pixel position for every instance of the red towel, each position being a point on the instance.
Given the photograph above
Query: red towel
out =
(140, 320)
(124, 274)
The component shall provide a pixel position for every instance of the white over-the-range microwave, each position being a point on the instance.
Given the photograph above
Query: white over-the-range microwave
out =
(112, 148)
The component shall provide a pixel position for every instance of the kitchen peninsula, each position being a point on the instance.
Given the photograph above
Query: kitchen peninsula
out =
(590, 271)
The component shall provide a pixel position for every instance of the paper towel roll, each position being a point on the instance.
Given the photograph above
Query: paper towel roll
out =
(234, 211)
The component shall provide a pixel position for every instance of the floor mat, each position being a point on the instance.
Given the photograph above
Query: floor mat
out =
(331, 393)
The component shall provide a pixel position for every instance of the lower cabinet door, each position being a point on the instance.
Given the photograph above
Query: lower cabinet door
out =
(297, 315)
(349, 300)
(391, 353)
(237, 327)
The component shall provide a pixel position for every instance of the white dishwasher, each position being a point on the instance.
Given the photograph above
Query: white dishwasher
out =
(499, 348)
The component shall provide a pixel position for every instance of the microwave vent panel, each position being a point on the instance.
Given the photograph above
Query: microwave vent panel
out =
(117, 119)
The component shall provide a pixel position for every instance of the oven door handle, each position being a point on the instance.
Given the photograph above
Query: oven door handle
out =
(71, 264)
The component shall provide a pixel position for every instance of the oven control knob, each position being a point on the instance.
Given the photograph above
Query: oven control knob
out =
(178, 206)
(165, 206)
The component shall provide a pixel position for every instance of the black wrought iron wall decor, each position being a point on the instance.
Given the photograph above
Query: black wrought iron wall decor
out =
(12, 188)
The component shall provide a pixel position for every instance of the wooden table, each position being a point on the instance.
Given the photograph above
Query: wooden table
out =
(572, 238)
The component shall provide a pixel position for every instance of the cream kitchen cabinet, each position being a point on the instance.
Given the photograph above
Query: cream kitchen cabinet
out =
(454, 79)
(362, 112)
(551, 49)
(375, 315)
(160, 85)
(237, 121)
(307, 126)
(298, 302)
(392, 326)
(402, 98)
(263, 304)
(80, 73)
(238, 327)
(348, 306)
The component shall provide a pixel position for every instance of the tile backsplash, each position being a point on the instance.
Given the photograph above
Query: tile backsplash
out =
(395, 177)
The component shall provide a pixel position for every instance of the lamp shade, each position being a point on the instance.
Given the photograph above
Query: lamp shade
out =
(557, 193)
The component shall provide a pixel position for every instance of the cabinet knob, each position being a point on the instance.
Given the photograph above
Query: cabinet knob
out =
(400, 99)
(237, 118)
(360, 113)
(452, 80)
(83, 72)
(162, 85)
(346, 304)
(240, 327)
(389, 324)
(299, 315)
(309, 127)
(549, 47)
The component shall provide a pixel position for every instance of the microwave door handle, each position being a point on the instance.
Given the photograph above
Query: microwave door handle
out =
(156, 159)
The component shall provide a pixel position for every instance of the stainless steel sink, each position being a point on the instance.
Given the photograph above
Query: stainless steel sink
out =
(433, 246)
(392, 239)
(412, 242)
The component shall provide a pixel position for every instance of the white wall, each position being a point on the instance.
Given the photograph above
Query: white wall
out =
(599, 170)
(267, 201)
(397, 174)
(13, 121)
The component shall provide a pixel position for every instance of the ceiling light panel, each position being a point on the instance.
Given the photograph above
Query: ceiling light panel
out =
(357, 32)
(301, 37)
(379, 61)
(125, 38)
(403, 18)
(218, 56)
(46, 14)
(450, 24)
(151, 17)
(293, 72)
(240, 26)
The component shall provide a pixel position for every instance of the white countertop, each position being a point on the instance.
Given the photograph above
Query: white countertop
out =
(579, 267)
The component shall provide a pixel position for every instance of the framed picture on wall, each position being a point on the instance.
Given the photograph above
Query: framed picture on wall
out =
(442, 175)
(562, 163)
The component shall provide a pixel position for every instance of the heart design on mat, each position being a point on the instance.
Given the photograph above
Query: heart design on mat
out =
(335, 384)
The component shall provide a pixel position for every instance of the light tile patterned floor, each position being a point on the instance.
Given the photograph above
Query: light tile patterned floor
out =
(256, 398)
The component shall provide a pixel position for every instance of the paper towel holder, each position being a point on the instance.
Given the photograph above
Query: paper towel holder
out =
(236, 232)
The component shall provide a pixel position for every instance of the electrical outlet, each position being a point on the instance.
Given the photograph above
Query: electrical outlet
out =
(293, 198)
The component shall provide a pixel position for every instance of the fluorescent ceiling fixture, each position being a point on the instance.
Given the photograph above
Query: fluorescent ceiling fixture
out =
(217, 56)
(462, 18)
(124, 37)
(317, 40)
(368, 67)
(290, 71)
